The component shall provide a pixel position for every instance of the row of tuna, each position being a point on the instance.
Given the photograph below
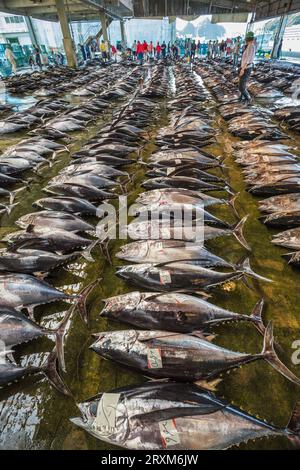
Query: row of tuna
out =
(50, 238)
(271, 169)
(173, 343)
(40, 150)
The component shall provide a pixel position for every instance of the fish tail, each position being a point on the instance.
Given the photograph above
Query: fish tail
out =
(231, 203)
(86, 253)
(237, 231)
(269, 354)
(256, 316)
(81, 302)
(244, 267)
(293, 427)
(51, 372)
(10, 207)
(13, 194)
(60, 335)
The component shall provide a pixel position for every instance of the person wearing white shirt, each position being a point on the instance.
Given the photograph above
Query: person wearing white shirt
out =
(246, 67)
(9, 55)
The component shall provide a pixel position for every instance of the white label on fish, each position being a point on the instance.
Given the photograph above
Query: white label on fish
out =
(170, 170)
(165, 277)
(169, 433)
(154, 358)
(105, 421)
(177, 161)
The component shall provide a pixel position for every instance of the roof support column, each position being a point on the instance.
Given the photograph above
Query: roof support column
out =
(65, 29)
(104, 25)
(279, 37)
(123, 33)
(250, 23)
(31, 31)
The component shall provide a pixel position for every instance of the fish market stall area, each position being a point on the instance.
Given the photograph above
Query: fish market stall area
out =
(163, 309)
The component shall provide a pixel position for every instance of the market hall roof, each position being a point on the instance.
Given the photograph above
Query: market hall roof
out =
(89, 9)
(77, 10)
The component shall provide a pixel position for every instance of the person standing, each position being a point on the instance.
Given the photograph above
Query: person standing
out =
(145, 49)
(38, 60)
(140, 52)
(150, 50)
(163, 50)
(236, 51)
(114, 52)
(199, 48)
(228, 47)
(133, 48)
(103, 50)
(247, 67)
(193, 50)
(222, 49)
(158, 50)
(9, 55)
(209, 50)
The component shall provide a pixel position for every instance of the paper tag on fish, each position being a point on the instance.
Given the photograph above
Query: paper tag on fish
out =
(169, 434)
(170, 170)
(154, 358)
(105, 421)
(265, 159)
(177, 161)
(165, 277)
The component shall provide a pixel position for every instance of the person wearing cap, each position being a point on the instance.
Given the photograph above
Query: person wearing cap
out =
(246, 67)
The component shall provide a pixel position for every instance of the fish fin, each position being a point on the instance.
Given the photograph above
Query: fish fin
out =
(229, 189)
(269, 354)
(203, 294)
(30, 228)
(158, 335)
(176, 412)
(293, 257)
(231, 203)
(237, 231)
(294, 422)
(209, 385)
(52, 374)
(86, 253)
(256, 316)
(59, 337)
(202, 335)
(81, 302)
(244, 267)
(14, 193)
(10, 207)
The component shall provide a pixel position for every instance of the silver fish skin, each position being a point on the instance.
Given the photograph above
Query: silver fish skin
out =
(195, 418)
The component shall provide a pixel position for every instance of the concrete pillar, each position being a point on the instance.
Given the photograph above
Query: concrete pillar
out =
(172, 23)
(32, 34)
(123, 33)
(104, 25)
(279, 36)
(65, 29)
(250, 23)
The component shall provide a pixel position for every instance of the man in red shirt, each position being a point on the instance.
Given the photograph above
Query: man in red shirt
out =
(158, 50)
(140, 52)
(145, 47)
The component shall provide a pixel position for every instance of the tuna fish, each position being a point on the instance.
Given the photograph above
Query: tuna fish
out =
(288, 239)
(54, 219)
(172, 311)
(73, 205)
(184, 276)
(10, 372)
(163, 354)
(164, 415)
